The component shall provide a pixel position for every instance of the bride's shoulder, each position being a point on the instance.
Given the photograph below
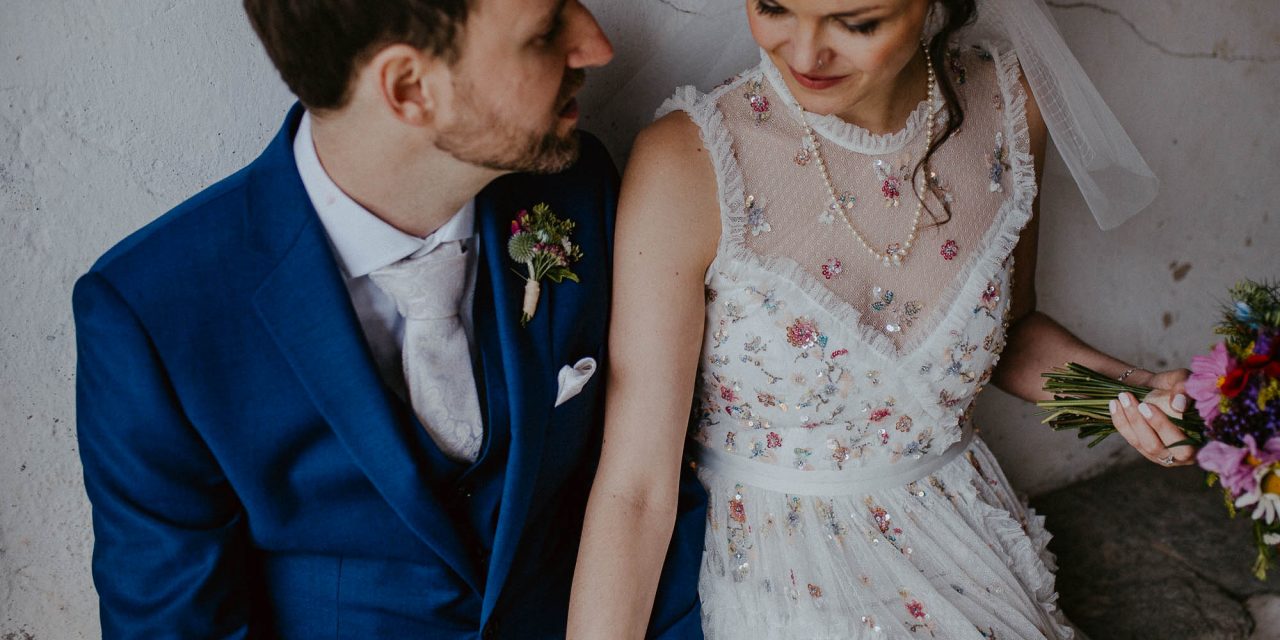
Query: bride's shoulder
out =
(670, 156)
(669, 191)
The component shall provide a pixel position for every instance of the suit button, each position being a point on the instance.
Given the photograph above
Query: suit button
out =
(464, 491)
(490, 631)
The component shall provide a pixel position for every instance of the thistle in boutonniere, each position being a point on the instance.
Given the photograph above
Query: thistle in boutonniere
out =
(540, 242)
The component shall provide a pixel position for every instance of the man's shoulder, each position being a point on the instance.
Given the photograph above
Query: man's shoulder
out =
(195, 233)
(190, 222)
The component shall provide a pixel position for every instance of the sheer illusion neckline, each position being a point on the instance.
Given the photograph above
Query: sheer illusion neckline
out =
(846, 134)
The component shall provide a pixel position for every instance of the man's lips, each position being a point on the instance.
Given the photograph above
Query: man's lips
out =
(816, 83)
(570, 109)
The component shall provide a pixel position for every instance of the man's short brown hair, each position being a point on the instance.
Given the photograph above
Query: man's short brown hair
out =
(318, 44)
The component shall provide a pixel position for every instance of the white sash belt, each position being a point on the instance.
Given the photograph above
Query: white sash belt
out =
(771, 477)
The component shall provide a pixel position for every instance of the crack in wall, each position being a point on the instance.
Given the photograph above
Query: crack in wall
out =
(1151, 42)
(679, 8)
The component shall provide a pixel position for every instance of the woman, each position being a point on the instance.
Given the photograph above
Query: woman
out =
(820, 255)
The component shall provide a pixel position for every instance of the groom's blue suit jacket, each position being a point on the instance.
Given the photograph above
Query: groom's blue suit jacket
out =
(251, 475)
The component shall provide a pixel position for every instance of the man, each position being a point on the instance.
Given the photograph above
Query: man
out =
(308, 407)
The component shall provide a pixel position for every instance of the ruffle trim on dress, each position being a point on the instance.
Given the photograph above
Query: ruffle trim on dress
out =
(1026, 546)
(1001, 239)
(846, 134)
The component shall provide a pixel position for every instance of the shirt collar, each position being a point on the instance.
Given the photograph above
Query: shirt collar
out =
(362, 241)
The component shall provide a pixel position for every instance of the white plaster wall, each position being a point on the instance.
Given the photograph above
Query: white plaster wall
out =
(110, 113)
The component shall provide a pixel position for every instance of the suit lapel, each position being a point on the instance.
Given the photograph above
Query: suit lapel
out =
(306, 308)
(526, 358)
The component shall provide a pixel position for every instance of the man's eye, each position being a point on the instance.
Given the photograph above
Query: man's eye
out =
(551, 34)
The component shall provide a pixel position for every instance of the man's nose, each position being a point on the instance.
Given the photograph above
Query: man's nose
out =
(591, 48)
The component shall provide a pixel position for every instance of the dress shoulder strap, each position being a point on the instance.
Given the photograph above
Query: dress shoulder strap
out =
(704, 110)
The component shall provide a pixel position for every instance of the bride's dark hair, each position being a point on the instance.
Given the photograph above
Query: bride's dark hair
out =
(957, 14)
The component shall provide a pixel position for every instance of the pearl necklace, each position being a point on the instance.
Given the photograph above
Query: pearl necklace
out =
(895, 253)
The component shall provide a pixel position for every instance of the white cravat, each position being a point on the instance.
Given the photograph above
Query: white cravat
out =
(364, 243)
(429, 291)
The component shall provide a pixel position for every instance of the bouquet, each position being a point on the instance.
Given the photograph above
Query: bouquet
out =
(1234, 417)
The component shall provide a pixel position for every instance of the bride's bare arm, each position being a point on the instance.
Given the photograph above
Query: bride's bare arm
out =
(1037, 343)
(667, 230)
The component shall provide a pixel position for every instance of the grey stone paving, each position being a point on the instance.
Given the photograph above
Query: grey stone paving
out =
(1149, 553)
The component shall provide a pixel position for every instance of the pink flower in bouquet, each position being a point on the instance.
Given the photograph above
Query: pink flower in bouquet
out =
(1235, 466)
(1207, 374)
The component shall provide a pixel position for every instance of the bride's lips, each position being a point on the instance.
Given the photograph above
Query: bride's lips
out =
(816, 83)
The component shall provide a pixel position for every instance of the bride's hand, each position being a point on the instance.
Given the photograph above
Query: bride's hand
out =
(1146, 425)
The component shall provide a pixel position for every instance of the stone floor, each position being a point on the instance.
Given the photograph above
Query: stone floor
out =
(1149, 553)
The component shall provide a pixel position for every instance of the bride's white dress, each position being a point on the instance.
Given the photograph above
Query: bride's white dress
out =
(849, 497)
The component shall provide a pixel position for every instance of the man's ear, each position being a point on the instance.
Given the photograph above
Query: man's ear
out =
(412, 84)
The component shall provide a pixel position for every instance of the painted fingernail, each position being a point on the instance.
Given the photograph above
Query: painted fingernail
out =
(1125, 400)
(1144, 409)
(1112, 406)
(1179, 402)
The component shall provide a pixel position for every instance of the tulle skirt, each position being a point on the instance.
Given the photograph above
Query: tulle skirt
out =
(952, 554)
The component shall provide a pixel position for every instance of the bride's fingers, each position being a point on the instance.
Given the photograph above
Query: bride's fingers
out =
(1135, 431)
(1169, 433)
(1168, 401)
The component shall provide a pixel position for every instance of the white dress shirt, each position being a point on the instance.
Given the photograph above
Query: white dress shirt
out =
(363, 242)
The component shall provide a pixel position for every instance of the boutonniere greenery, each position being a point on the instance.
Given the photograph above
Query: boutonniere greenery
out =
(540, 242)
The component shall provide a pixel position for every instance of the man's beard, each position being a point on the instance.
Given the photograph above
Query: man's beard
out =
(482, 137)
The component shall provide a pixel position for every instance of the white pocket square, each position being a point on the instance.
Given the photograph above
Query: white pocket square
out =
(572, 379)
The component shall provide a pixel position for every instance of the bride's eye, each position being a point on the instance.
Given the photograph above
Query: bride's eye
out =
(769, 9)
(862, 28)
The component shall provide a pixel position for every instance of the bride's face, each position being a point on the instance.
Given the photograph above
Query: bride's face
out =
(834, 54)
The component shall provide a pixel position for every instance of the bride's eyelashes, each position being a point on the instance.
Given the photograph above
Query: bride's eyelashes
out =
(771, 10)
(862, 28)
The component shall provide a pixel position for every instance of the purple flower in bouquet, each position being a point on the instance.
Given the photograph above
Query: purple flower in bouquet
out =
(1251, 411)
(1235, 465)
(1204, 385)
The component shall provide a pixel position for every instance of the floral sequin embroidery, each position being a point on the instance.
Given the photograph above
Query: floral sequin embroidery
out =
(755, 218)
(802, 459)
(919, 617)
(914, 449)
(804, 155)
(900, 316)
(950, 250)
(794, 509)
(831, 522)
(803, 334)
(832, 268)
(738, 536)
(891, 181)
(998, 164)
(840, 454)
(758, 101)
(990, 300)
